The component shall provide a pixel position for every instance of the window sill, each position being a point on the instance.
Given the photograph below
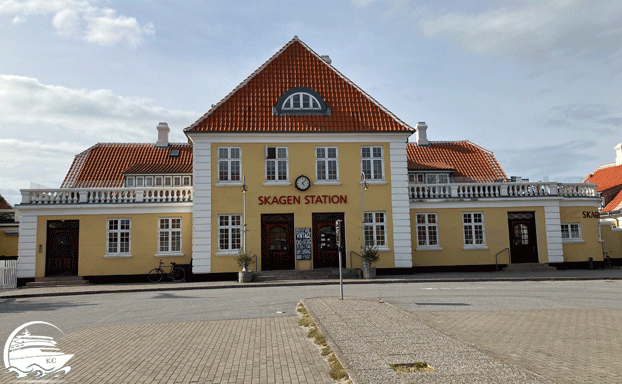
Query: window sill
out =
(475, 247)
(374, 182)
(284, 183)
(384, 249)
(429, 248)
(169, 254)
(118, 255)
(572, 241)
(324, 182)
(228, 253)
(229, 184)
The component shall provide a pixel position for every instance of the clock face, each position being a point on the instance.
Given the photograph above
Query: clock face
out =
(303, 183)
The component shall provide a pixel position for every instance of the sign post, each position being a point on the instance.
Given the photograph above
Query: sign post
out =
(338, 230)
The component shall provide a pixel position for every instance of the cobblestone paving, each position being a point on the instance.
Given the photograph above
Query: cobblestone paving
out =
(566, 346)
(368, 335)
(269, 350)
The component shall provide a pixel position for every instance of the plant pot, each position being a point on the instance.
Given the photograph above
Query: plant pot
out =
(245, 276)
(369, 272)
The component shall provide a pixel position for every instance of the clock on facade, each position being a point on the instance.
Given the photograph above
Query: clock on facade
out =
(303, 183)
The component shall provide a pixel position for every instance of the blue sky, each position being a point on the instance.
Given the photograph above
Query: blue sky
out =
(536, 82)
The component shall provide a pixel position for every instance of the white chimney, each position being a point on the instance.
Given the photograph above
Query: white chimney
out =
(163, 131)
(422, 136)
(618, 149)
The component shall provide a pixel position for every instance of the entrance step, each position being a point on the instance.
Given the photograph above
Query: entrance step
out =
(311, 274)
(529, 267)
(57, 281)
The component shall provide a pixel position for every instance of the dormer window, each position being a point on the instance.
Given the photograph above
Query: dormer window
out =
(300, 101)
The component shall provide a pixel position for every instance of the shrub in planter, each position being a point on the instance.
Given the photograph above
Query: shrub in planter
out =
(370, 255)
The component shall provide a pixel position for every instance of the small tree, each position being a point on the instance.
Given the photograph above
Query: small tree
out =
(370, 254)
(244, 259)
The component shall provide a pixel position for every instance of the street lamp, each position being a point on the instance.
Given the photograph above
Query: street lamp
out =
(244, 189)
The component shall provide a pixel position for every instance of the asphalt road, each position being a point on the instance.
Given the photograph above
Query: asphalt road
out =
(72, 313)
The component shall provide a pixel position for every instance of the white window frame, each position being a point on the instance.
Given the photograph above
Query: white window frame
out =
(326, 161)
(158, 181)
(169, 232)
(572, 233)
(187, 181)
(427, 244)
(276, 162)
(229, 161)
(472, 226)
(148, 181)
(228, 230)
(118, 231)
(377, 228)
(168, 181)
(130, 182)
(298, 98)
(372, 176)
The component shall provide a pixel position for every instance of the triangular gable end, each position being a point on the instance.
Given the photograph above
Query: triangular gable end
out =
(249, 107)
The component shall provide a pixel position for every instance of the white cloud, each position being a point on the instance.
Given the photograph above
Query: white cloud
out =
(534, 30)
(79, 19)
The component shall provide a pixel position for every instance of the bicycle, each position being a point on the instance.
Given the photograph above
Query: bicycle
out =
(176, 273)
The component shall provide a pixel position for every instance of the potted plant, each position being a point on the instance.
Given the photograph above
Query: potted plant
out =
(244, 259)
(370, 255)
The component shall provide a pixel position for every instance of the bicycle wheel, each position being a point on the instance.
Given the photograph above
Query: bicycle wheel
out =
(155, 275)
(178, 275)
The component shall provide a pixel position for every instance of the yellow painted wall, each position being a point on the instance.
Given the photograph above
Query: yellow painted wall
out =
(612, 241)
(451, 238)
(229, 199)
(590, 247)
(92, 244)
(8, 244)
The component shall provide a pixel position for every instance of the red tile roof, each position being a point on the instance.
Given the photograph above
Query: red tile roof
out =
(469, 162)
(248, 108)
(606, 176)
(4, 204)
(615, 204)
(103, 165)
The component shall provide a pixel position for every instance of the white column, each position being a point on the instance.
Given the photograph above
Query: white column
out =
(554, 234)
(401, 207)
(202, 208)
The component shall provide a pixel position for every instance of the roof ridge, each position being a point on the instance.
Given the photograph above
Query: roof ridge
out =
(270, 60)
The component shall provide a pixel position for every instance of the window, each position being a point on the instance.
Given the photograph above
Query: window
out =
(473, 225)
(118, 237)
(167, 181)
(372, 163)
(229, 160)
(149, 181)
(571, 232)
(276, 164)
(229, 232)
(158, 181)
(177, 181)
(301, 100)
(140, 181)
(326, 164)
(428, 178)
(129, 182)
(427, 229)
(169, 235)
(375, 229)
(187, 180)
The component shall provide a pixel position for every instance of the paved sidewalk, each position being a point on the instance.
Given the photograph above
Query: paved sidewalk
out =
(251, 351)
(579, 274)
(368, 334)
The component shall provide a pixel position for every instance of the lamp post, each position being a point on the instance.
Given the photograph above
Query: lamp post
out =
(244, 189)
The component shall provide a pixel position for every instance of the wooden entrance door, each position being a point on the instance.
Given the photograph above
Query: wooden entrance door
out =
(523, 237)
(61, 256)
(325, 251)
(277, 242)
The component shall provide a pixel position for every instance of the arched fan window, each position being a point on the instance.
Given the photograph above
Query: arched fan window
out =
(300, 101)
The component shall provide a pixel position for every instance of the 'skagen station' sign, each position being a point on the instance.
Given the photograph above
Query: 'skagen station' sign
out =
(308, 199)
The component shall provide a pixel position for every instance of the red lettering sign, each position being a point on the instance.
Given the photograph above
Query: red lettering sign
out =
(309, 199)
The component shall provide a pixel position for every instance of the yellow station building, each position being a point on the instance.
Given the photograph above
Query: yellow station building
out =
(271, 167)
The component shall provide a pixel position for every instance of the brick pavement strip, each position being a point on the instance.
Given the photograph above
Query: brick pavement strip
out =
(268, 350)
(370, 334)
(567, 346)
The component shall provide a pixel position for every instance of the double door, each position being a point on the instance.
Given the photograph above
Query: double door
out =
(324, 233)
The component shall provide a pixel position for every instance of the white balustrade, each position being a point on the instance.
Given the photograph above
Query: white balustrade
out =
(106, 195)
(500, 190)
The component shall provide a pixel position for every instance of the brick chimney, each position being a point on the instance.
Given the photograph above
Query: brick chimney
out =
(163, 131)
(422, 136)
